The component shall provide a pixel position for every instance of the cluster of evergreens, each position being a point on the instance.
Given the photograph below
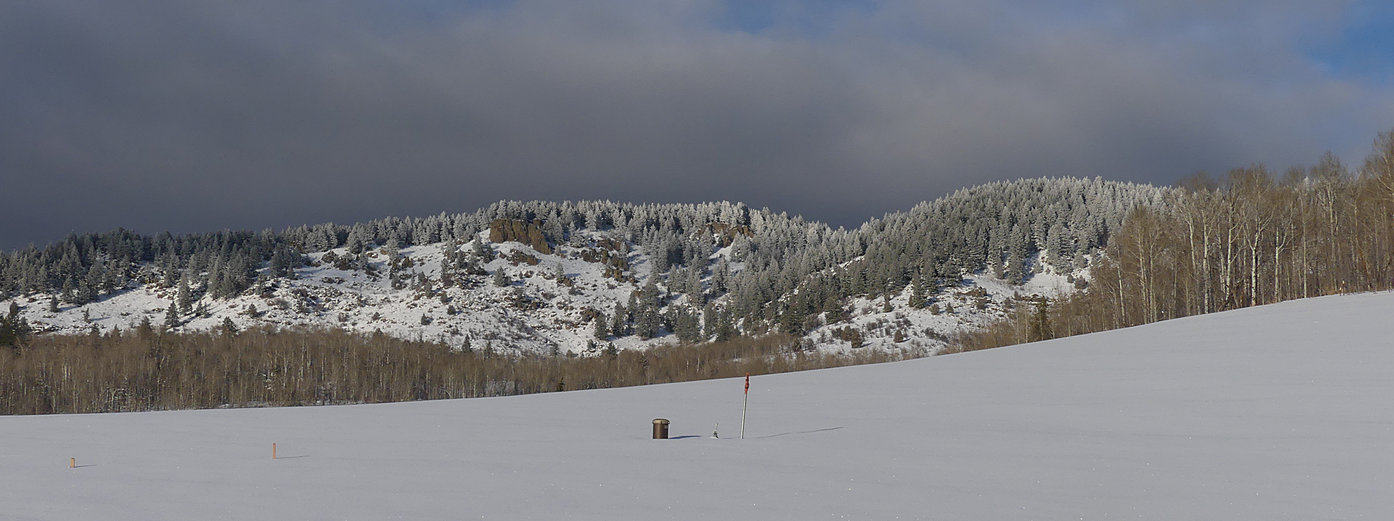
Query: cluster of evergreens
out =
(84, 268)
(147, 369)
(1252, 237)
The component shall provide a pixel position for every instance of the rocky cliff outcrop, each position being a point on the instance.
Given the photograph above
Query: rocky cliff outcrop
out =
(526, 232)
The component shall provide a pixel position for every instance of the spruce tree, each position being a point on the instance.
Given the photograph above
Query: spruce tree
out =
(145, 329)
(917, 293)
(601, 332)
(184, 299)
(709, 321)
(13, 327)
(619, 325)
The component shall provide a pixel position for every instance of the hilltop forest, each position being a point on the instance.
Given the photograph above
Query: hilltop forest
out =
(1251, 237)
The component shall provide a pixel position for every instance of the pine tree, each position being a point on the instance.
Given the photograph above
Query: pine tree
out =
(483, 251)
(1039, 325)
(647, 323)
(917, 293)
(184, 299)
(725, 325)
(709, 321)
(13, 328)
(145, 329)
(686, 325)
(619, 325)
(601, 332)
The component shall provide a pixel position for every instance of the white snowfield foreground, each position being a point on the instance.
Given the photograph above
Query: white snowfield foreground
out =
(1276, 412)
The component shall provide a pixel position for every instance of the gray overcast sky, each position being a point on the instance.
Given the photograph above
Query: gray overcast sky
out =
(194, 116)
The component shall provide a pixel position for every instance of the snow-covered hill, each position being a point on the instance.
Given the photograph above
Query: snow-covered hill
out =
(548, 302)
(1272, 412)
(534, 275)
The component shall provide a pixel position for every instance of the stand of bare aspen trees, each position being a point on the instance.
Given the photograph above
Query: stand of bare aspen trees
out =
(148, 370)
(1250, 238)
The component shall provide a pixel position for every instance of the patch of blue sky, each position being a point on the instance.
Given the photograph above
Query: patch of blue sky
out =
(1365, 47)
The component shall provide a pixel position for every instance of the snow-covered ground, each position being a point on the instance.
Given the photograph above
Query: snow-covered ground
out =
(1274, 412)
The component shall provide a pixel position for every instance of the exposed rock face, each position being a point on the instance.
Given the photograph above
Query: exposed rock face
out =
(727, 233)
(519, 257)
(529, 233)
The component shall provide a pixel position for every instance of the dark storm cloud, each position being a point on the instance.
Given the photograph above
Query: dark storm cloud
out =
(186, 117)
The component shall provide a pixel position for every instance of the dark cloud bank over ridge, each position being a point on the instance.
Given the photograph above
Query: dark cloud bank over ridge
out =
(194, 116)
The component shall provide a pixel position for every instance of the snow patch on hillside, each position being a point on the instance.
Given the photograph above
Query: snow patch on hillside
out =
(536, 312)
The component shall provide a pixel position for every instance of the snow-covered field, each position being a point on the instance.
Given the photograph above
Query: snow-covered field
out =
(1274, 412)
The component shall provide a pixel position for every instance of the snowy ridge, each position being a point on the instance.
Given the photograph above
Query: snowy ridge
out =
(692, 272)
(535, 312)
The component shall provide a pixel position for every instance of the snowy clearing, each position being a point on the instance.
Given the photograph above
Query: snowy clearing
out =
(1273, 412)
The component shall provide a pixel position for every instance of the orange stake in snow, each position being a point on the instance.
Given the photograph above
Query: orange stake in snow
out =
(747, 403)
(72, 463)
(273, 451)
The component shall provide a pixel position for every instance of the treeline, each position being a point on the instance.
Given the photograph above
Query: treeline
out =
(85, 268)
(1253, 237)
(146, 369)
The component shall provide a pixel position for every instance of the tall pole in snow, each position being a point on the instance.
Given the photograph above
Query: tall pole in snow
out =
(747, 404)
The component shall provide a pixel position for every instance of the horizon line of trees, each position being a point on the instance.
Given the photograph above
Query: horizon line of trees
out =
(1252, 237)
(147, 369)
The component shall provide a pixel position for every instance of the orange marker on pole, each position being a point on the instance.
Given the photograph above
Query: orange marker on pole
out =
(747, 404)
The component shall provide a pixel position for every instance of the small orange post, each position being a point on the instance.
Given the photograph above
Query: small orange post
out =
(72, 463)
(273, 451)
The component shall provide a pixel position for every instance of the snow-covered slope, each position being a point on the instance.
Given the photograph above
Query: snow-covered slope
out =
(536, 311)
(1273, 412)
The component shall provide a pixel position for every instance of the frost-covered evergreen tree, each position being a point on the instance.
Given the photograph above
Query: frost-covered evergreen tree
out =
(601, 330)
